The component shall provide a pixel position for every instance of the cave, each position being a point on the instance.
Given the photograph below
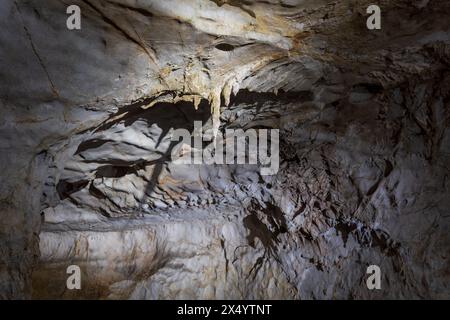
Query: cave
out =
(343, 166)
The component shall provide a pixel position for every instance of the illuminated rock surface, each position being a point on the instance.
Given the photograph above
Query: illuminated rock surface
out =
(85, 128)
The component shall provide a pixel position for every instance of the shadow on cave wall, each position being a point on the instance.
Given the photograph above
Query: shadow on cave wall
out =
(166, 116)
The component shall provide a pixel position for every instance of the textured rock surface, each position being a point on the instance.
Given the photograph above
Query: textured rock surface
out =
(87, 179)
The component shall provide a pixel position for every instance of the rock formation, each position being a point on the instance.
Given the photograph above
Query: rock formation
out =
(87, 176)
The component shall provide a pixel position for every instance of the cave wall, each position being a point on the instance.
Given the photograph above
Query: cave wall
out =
(86, 123)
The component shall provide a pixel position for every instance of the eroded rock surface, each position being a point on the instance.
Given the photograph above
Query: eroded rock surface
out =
(87, 176)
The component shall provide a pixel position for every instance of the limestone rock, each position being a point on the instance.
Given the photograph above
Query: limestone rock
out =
(87, 177)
